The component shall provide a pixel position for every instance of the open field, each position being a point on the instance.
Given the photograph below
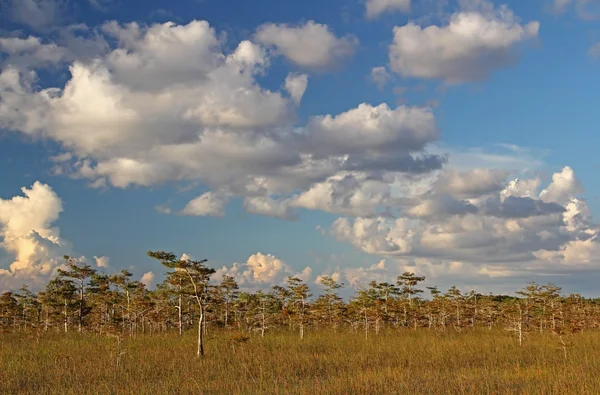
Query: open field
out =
(396, 361)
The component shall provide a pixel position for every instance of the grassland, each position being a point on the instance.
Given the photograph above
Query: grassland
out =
(400, 362)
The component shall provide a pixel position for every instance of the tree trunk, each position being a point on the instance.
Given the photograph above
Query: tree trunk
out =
(80, 307)
(200, 333)
(66, 316)
(179, 316)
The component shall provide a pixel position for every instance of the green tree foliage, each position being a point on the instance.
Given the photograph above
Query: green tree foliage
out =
(116, 304)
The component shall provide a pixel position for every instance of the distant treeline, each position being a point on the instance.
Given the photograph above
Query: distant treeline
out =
(81, 299)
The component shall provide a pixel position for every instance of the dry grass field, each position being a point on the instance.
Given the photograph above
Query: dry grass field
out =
(394, 362)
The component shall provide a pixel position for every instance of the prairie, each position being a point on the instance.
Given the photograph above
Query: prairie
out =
(396, 361)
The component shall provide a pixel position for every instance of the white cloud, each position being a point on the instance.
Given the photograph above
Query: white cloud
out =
(265, 268)
(264, 205)
(564, 186)
(368, 129)
(498, 231)
(471, 46)
(207, 204)
(37, 14)
(345, 194)
(102, 261)
(162, 209)
(31, 52)
(305, 275)
(472, 183)
(362, 276)
(148, 279)
(262, 269)
(28, 236)
(521, 188)
(295, 85)
(312, 46)
(167, 103)
(378, 236)
(375, 8)
(380, 76)
(441, 207)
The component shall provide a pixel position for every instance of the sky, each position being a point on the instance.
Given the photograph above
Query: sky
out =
(358, 139)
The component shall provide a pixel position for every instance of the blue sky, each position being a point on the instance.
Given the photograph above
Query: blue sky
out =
(179, 135)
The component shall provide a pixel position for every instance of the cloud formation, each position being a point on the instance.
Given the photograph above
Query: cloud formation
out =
(471, 46)
(148, 279)
(207, 204)
(148, 105)
(295, 85)
(374, 8)
(167, 103)
(102, 261)
(36, 14)
(311, 46)
(517, 228)
(29, 238)
(261, 270)
(380, 76)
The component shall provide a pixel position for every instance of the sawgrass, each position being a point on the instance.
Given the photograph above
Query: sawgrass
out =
(395, 361)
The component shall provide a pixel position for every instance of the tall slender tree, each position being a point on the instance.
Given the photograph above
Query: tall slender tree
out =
(80, 273)
(229, 291)
(199, 276)
(299, 294)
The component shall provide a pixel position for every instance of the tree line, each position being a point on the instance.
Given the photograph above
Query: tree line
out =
(84, 300)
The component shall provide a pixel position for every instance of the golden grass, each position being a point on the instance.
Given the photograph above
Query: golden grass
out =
(395, 362)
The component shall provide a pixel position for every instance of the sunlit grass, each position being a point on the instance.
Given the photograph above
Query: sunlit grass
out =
(396, 361)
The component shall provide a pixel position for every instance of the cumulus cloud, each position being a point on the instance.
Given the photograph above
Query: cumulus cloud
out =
(296, 84)
(362, 276)
(564, 186)
(345, 194)
(312, 46)
(511, 227)
(29, 237)
(521, 188)
(374, 130)
(473, 183)
(262, 270)
(473, 44)
(441, 207)
(102, 261)
(37, 14)
(264, 205)
(375, 8)
(148, 279)
(167, 103)
(207, 204)
(380, 76)
(378, 236)
(31, 52)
